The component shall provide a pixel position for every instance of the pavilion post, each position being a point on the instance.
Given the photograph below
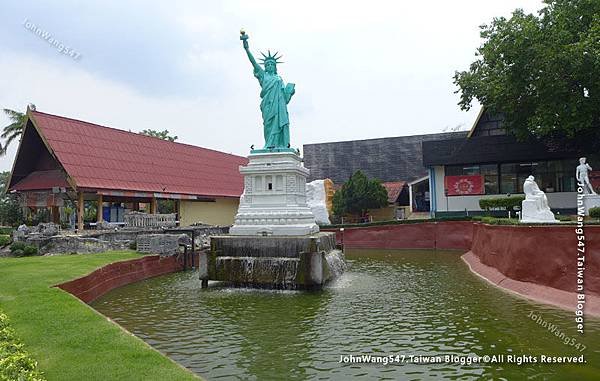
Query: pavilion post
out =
(153, 205)
(55, 214)
(80, 211)
(99, 213)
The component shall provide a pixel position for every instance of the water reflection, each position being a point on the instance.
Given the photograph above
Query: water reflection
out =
(389, 302)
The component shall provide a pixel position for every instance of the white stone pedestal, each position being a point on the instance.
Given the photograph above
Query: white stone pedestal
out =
(274, 199)
(530, 213)
(590, 201)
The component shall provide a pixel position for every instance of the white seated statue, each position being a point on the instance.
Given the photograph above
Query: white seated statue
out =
(535, 206)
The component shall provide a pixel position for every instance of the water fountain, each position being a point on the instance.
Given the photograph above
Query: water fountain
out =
(274, 241)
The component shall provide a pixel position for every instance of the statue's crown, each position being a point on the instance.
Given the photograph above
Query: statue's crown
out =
(270, 57)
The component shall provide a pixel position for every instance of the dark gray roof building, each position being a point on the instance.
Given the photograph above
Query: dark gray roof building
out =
(387, 159)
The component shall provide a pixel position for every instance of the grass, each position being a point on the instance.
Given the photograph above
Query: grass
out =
(69, 339)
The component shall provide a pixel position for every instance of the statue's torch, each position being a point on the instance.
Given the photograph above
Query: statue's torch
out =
(244, 37)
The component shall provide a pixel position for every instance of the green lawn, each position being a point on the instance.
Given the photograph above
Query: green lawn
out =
(69, 339)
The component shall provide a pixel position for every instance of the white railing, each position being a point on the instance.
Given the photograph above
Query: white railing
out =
(145, 220)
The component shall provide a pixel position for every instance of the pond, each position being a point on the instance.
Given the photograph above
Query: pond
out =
(390, 302)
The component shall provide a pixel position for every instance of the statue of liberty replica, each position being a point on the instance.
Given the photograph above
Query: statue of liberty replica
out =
(274, 241)
(275, 97)
(274, 198)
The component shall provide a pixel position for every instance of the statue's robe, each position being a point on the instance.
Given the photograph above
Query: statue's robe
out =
(273, 106)
(533, 192)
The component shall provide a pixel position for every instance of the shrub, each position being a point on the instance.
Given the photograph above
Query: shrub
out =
(595, 212)
(30, 250)
(15, 362)
(133, 245)
(4, 240)
(20, 249)
(17, 246)
(504, 203)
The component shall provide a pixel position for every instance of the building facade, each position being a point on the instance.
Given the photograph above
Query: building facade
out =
(393, 160)
(63, 161)
(490, 163)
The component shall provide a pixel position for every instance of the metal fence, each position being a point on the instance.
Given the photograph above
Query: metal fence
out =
(145, 220)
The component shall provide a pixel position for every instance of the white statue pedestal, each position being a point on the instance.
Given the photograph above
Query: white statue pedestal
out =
(274, 199)
(590, 201)
(531, 213)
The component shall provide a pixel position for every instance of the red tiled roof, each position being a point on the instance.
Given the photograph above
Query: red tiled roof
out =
(100, 157)
(38, 180)
(393, 189)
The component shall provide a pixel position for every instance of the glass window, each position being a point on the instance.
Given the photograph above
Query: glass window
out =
(471, 170)
(454, 170)
(551, 176)
(508, 178)
(490, 178)
(524, 170)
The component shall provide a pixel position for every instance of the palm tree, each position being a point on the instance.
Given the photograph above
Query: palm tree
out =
(14, 129)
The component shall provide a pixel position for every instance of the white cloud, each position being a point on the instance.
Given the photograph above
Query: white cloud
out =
(362, 70)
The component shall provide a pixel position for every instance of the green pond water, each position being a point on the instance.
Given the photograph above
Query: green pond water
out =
(388, 303)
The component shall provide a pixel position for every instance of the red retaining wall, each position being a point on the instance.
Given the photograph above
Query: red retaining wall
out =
(537, 292)
(538, 262)
(427, 235)
(518, 258)
(111, 276)
(545, 255)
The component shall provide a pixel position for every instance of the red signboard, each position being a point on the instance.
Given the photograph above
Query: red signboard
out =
(464, 185)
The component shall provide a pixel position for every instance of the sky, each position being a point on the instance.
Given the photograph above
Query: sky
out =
(362, 69)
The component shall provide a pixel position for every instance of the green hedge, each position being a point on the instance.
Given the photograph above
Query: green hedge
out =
(15, 362)
(595, 212)
(504, 203)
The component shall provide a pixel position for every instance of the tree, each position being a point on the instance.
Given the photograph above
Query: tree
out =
(13, 131)
(164, 135)
(11, 212)
(358, 195)
(540, 72)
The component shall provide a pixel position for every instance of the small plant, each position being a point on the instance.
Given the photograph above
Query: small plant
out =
(17, 246)
(595, 212)
(4, 240)
(133, 245)
(30, 250)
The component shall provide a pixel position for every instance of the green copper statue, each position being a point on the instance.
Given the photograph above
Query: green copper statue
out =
(275, 97)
